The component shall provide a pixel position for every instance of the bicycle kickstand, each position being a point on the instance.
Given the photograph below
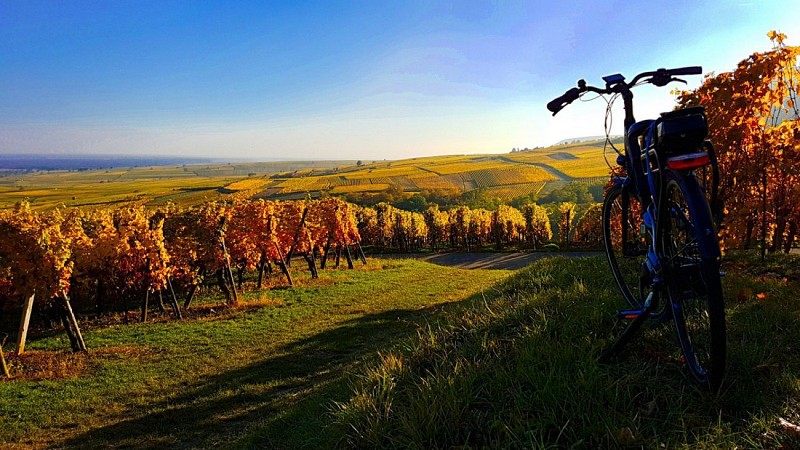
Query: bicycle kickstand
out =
(651, 303)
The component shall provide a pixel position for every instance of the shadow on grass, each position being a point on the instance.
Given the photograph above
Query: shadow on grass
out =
(523, 374)
(536, 384)
(269, 401)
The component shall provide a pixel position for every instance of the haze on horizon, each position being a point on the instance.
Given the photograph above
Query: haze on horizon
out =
(344, 80)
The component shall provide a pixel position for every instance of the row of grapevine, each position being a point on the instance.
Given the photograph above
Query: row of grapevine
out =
(118, 259)
(108, 258)
(463, 228)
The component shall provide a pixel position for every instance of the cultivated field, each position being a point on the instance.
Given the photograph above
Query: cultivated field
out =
(504, 176)
(185, 185)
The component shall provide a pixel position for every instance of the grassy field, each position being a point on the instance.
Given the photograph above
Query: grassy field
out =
(504, 176)
(407, 354)
(264, 373)
(520, 371)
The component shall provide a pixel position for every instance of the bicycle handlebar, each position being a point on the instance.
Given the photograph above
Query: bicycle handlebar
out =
(693, 70)
(559, 103)
(658, 77)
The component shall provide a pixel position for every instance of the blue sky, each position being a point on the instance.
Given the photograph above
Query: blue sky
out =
(356, 80)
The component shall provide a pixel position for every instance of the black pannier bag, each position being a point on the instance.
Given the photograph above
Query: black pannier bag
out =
(681, 131)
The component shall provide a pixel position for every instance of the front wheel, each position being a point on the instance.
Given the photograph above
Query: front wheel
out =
(625, 247)
(693, 280)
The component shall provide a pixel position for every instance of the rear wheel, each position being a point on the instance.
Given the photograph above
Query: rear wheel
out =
(625, 247)
(693, 286)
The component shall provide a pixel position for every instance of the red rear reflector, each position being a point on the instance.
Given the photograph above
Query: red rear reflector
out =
(631, 316)
(689, 161)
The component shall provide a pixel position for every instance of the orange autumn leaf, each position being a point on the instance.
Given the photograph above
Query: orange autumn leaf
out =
(754, 123)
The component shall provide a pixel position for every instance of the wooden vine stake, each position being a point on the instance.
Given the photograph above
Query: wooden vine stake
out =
(348, 256)
(282, 264)
(228, 273)
(145, 305)
(361, 253)
(174, 303)
(161, 307)
(73, 324)
(3, 358)
(23, 325)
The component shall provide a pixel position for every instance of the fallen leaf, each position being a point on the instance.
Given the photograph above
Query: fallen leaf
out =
(790, 428)
(761, 296)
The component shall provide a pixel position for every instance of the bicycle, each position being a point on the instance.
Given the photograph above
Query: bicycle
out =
(659, 232)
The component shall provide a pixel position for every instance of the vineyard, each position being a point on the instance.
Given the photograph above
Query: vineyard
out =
(118, 259)
(444, 173)
(503, 176)
(186, 185)
(577, 161)
(460, 228)
(110, 258)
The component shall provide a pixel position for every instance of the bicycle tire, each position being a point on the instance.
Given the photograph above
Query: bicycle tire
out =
(693, 284)
(621, 229)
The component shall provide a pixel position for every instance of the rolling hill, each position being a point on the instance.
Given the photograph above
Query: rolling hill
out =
(502, 175)
(505, 176)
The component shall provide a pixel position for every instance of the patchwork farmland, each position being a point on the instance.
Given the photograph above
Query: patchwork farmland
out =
(505, 176)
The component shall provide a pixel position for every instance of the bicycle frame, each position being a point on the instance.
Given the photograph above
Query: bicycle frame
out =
(643, 181)
(681, 260)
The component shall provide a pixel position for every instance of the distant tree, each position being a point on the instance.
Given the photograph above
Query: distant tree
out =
(359, 163)
(521, 201)
(416, 203)
(445, 198)
(596, 189)
(480, 198)
(575, 192)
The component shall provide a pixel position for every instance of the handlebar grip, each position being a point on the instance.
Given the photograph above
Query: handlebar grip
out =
(693, 70)
(559, 103)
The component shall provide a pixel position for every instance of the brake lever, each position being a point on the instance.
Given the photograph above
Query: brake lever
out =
(678, 79)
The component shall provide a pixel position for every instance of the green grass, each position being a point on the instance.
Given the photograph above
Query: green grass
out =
(520, 371)
(262, 375)
(406, 354)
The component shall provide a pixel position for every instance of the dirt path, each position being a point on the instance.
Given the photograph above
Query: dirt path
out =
(561, 176)
(506, 261)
